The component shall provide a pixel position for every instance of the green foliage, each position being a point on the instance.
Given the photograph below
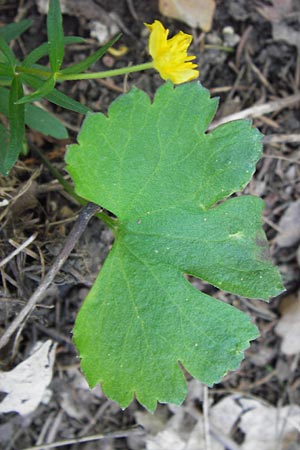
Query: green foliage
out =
(154, 166)
(167, 182)
(14, 74)
(10, 152)
(55, 33)
(13, 30)
(36, 118)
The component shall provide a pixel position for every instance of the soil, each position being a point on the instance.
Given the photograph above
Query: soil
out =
(262, 66)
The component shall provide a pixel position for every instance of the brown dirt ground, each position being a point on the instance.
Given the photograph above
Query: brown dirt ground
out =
(260, 69)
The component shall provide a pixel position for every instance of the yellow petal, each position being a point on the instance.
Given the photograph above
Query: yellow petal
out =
(170, 56)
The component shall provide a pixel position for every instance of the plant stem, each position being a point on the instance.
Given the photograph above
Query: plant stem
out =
(105, 74)
(45, 74)
(60, 76)
(218, 47)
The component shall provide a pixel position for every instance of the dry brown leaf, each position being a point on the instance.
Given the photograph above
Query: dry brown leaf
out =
(196, 13)
(288, 326)
(289, 225)
(284, 16)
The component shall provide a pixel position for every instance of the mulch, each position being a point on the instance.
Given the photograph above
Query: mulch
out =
(261, 69)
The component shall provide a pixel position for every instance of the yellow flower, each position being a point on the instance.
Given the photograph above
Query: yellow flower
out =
(170, 56)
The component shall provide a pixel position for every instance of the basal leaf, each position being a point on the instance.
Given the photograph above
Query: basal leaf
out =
(154, 166)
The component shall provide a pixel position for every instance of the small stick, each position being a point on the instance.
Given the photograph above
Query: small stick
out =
(96, 437)
(18, 250)
(80, 225)
(206, 418)
(258, 110)
(281, 138)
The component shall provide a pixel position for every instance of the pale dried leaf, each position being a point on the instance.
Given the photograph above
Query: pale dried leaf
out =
(225, 414)
(196, 13)
(288, 326)
(27, 383)
(264, 426)
(267, 427)
(197, 439)
(152, 423)
(165, 440)
(289, 225)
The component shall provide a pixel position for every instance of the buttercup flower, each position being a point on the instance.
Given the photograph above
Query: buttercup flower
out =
(170, 56)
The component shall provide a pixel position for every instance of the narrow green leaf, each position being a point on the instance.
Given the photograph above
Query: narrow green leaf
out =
(44, 122)
(55, 33)
(86, 63)
(8, 53)
(42, 91)
(60, 99)
(57, 97)
(6, 70)
(13, 30)
(9, 154)
(167, 180)
(4, 138)
(4, 101)
(36, 118)
(42, 50)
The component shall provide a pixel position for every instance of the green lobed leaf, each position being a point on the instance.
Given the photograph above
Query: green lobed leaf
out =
(9, 153)
(55, 34)
(154, 166)
(87, 62)
(42, 50)
(13, 30)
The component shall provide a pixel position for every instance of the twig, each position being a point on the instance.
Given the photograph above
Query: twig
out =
(206, 419)
(18, 250)
(80, 225)
(96, 437)
(281, 138)
(258, 110)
